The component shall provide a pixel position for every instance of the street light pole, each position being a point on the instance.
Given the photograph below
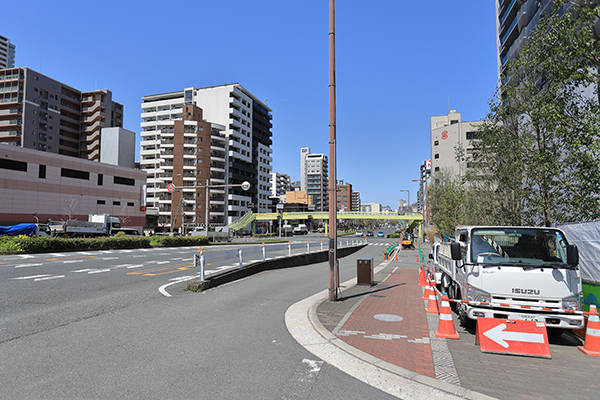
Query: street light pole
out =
(333, 270)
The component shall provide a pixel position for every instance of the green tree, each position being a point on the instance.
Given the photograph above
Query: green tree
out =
(538, 150)
(445, 201)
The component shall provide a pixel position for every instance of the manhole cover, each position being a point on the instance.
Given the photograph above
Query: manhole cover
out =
(388, 317)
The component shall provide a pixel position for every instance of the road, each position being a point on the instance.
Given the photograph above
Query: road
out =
(94, 325)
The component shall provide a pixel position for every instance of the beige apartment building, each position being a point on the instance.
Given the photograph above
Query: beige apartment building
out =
(449, 133)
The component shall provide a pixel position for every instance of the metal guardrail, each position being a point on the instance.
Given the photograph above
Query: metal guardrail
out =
(246, 256)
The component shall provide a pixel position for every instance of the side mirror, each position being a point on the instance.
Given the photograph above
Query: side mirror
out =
(572, 255)
(430, 256)
(455, 251)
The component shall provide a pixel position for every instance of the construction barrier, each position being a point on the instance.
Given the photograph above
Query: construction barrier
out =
(591, 346)
(446, 325)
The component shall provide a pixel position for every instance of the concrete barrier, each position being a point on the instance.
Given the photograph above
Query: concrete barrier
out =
(272, 264)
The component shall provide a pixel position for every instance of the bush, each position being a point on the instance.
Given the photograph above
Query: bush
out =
(26, 244)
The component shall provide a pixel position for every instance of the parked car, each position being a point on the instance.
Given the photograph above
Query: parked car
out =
(359, 233)
(380, 234)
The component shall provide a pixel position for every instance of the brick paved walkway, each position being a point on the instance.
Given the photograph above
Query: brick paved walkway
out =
(390, 323)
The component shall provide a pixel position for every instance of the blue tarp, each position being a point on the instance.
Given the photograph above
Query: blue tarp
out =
(19, 229)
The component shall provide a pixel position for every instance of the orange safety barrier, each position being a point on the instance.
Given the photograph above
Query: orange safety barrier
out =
(432, 304)
(446, 325)
(422, 277)
(591, 346)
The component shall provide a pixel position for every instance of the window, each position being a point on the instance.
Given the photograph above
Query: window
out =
(42, 172)
(101, 202)
(100, 179)
(71, 173)
(119, 180)
(436, 143)
(130, 204)
(13, 165)
(436, 156)
(471, 135)
(116, 203)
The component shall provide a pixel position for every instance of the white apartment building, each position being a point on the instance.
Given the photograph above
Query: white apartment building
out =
(245, 139)
(7, 53)
(449, 132)
(314, 178)
(280, 184)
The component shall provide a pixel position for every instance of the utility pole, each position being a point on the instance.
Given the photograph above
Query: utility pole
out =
(333, 267)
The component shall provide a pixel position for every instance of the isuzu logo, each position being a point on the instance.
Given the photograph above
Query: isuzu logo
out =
(525, 291)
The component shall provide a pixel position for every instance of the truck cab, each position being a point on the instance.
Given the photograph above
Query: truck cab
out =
(526, 273)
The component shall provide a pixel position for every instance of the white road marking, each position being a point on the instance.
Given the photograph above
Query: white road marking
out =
(28, 265)
(140, 255)
(58, 255)
(72, 261)
(162, 262)
(109, 258)
(162, 289)
(25, 256)
(85, 253)
(31, 277)
(135, 266)
(84, 270)
(49, 277)
(97, 271)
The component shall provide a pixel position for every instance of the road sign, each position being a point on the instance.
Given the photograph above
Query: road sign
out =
(506, 336)
(171, 187)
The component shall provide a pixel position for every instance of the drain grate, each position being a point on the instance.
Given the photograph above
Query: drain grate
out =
(378, 295)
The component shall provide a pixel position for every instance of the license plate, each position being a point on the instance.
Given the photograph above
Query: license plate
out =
(528, 317)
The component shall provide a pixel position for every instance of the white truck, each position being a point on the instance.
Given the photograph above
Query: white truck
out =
(300, 229)
(522, 273)
(96, 225)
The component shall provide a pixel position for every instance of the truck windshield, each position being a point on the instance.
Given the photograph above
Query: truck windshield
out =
(518, 246)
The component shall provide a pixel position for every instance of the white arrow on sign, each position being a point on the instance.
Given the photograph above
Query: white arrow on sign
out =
(500, 336)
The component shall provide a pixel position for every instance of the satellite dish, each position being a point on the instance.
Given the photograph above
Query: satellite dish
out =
(246, 185)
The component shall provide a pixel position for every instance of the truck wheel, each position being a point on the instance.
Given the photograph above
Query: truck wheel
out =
(465, 321)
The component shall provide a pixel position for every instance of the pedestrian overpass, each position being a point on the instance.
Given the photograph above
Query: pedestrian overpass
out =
(251, 218)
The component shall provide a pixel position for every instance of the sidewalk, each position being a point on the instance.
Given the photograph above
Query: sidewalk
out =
(383, 336)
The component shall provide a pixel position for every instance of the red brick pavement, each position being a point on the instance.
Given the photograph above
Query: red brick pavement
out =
(404, 343)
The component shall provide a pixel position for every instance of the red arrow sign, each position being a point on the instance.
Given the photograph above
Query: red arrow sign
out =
(505, 336)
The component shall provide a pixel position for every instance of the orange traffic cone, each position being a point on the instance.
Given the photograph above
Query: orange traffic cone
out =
(422, 277)
(427, 291)
(446, 326)
(432, 304)
(591, 346)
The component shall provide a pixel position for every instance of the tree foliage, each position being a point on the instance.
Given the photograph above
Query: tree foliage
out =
(538, 152)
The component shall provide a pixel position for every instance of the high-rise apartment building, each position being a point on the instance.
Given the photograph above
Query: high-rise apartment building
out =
(314, 178)
(184, 153)
(246, 132)
(449, 132)
(515, 21)
(355, 201)
(7, 53)
(38, 112)
(280, 184)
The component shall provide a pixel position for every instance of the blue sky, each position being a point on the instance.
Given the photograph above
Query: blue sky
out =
(398, 62)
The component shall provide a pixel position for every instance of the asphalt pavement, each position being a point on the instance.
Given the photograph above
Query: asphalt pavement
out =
(382, 335)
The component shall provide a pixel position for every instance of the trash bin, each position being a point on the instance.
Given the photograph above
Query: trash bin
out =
(364, 272)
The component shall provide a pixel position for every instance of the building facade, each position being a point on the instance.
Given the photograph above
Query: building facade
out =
(449, 133)
(7, 53)
(246, 131)
(344, 197)
(57, 187)
(180, 155)
(38, 112)
(280, 184)
(515, 21)
(314, 175)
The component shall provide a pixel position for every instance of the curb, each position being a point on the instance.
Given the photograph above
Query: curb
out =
(303, 324)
